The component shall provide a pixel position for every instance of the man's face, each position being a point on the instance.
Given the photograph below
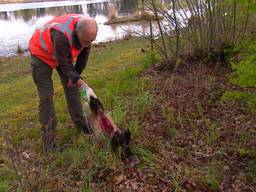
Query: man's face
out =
(84, 42)
(86, 38)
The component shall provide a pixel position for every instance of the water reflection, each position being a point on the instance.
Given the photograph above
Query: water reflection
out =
(17, 24)
(92, 10)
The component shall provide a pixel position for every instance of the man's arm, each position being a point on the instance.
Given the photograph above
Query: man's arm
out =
(63, 56)
(82, 59)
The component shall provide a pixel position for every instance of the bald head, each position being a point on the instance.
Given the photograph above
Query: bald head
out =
(86, 30)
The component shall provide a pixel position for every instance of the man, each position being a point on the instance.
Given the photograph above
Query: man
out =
(57, 45)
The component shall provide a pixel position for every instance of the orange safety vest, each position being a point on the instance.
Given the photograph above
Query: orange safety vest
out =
(41, 45)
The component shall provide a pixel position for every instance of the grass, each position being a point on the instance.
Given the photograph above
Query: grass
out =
(172, 131)
(146, 155)
(213, 134)
(213, 176)
(249, 99)
(251, 167)
(133, 126)
(112, 72)
(178, 125)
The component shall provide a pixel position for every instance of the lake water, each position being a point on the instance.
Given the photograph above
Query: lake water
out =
(19, 20)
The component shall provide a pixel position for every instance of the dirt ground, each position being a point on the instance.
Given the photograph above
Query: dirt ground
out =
(199, 142)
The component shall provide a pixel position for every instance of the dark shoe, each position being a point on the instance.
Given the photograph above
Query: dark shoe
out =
(84, 127)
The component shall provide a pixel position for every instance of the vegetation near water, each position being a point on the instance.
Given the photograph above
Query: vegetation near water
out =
(191, 115)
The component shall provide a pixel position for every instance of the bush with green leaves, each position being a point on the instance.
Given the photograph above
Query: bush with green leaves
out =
(245, 70)
(244, 75)
(202, 29)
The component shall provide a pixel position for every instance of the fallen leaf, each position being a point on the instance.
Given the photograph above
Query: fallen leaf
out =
(119, 179)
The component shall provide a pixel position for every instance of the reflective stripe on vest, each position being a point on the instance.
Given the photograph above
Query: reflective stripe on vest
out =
(64, 28)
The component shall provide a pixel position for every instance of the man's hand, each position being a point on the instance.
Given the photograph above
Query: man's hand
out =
(71, 84)
(80, 83)
(85, 90)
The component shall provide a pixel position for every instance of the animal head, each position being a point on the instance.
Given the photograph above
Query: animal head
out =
(122, 139)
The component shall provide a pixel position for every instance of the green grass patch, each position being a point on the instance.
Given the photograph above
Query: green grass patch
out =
(146, 155)
(170, 117)
(5, 178)
(250, 170)
(245, 70)
(151, 58)
(213, 177)
(247, 98)
(133, 126)
(213, 134)
(244, 75)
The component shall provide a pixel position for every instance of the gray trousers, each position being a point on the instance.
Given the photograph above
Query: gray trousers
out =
(42, 76)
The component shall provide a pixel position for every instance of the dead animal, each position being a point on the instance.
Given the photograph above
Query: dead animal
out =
(102, 123)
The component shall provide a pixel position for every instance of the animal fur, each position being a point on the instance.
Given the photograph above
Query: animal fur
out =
(102, 123)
